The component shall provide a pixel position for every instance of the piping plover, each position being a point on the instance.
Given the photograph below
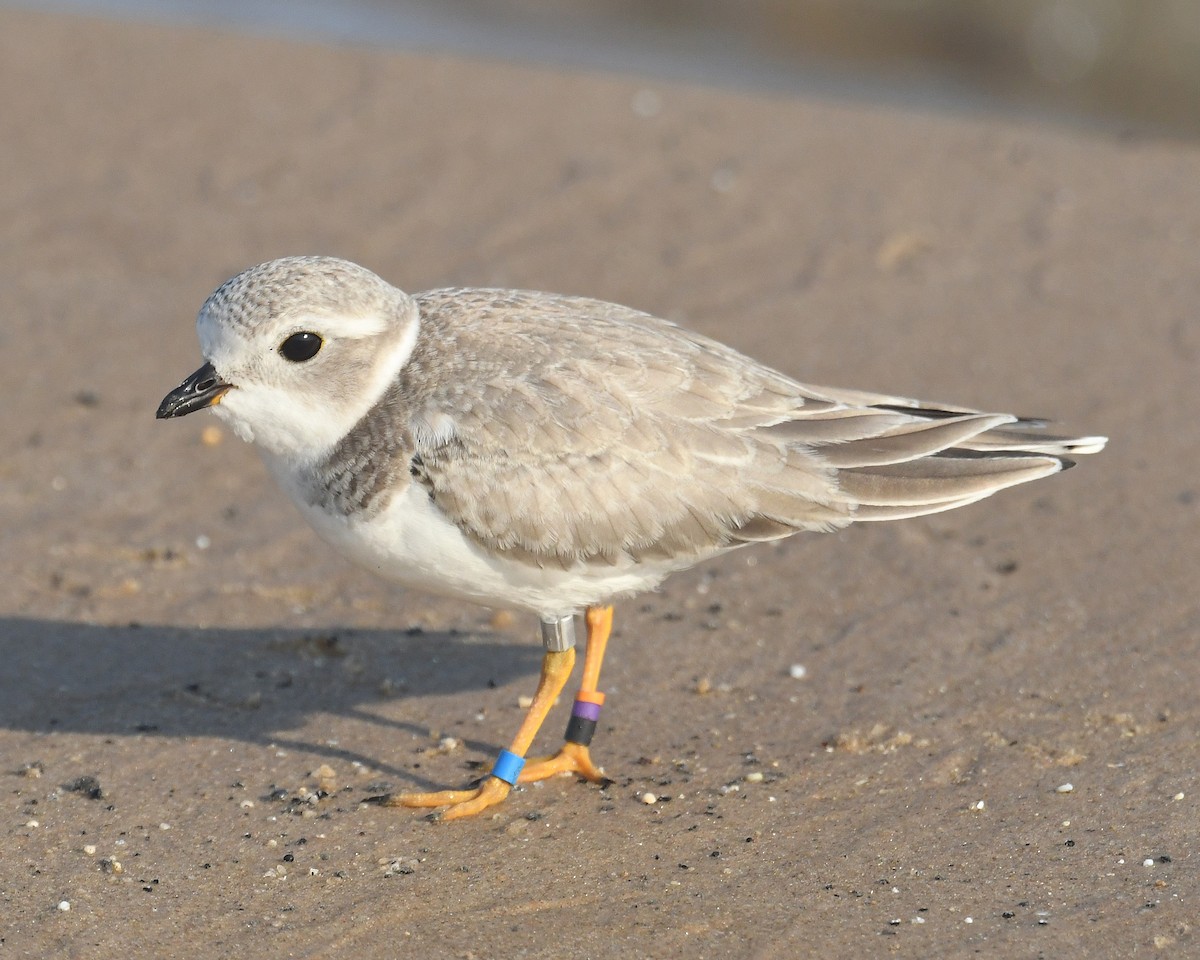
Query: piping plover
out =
(554, 453)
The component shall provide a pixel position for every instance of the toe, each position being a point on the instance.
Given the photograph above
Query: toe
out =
(489, 794)
(440, 798)
(572, 758)
(456, 803)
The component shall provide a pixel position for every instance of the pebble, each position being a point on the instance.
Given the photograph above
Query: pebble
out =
(64, 905)
(1064, 788)
(798, 671)
(648, 798)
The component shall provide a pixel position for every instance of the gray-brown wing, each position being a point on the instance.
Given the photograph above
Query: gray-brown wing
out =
(562, 429)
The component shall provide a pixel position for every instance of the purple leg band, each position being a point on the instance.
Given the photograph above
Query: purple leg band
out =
(585, 710)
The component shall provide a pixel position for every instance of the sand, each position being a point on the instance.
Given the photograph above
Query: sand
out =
(171, 630)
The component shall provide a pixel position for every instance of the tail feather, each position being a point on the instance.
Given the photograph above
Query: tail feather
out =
(896, 458)
(936, 480)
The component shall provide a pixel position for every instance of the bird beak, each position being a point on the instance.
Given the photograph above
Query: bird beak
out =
(204, 388)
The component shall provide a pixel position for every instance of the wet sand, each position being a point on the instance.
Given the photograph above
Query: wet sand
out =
(171, 630)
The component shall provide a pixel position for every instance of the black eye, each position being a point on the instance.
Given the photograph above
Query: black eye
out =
(300, 347)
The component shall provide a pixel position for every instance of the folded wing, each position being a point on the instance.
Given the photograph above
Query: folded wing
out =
(586, 432)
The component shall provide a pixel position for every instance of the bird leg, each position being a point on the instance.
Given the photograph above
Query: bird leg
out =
(574, 756)
(556, 668)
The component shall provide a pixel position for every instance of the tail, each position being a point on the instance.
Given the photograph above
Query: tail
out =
(897, 458)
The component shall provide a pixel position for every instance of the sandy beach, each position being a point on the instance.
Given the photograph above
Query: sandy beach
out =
(972, 734)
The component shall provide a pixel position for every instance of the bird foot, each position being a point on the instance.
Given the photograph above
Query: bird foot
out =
(571, 758)
(457, 803)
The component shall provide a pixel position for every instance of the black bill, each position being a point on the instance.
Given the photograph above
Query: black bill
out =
(202, 389)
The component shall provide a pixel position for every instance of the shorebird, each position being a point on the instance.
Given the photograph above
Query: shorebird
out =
(553, 453)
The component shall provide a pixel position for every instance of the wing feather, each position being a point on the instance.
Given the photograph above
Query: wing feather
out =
(583, 432)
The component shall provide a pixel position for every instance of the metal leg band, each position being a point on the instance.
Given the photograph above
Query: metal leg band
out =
(559, 634)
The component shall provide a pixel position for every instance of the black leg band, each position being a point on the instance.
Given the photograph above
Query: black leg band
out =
(580, 730)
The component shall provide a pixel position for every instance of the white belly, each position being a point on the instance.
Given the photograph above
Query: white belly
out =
(413, 543)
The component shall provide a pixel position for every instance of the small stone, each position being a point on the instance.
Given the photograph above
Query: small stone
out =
(64, 905)
(1064, 788)
(398, 866)
(754, 777)
(798, 671)
(90, 849)
(89, 786)
(648, 798)
(524, 702)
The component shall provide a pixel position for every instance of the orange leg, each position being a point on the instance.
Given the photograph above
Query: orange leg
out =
(556, 668)
(574, 756)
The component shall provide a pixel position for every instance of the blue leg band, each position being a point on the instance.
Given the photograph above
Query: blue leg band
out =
(508, 767)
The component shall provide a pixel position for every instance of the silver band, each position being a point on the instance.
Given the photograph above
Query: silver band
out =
(559, 634)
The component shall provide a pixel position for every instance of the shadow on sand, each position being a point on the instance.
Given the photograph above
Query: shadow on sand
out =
(252, 685)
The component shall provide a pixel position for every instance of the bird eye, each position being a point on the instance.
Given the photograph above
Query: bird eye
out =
(300, 347)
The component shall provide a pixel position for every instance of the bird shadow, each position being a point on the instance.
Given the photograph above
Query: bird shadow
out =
(252, 685)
